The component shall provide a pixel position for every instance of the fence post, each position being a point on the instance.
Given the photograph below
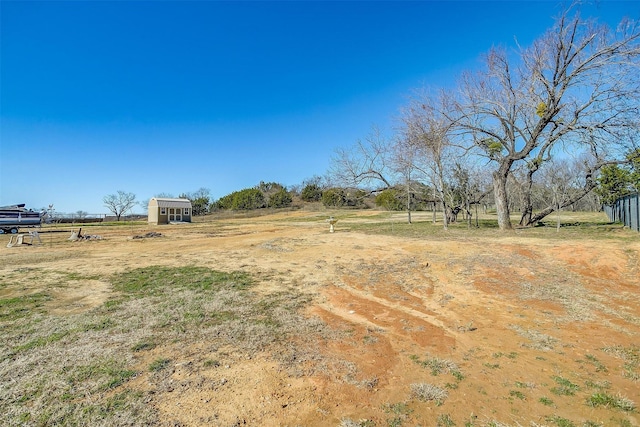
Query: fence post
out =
(637, 197)
(626, 210)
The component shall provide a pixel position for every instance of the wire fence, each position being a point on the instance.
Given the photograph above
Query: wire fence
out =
(63, 218)
(626, 210)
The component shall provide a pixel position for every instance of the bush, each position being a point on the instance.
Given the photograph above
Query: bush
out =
(200, 206)
(390, 200)
(280, 199)
(311, 193)
(333, 197)
(247, 199)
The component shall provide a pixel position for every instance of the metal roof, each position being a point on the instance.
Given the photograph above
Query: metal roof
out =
(171, 203)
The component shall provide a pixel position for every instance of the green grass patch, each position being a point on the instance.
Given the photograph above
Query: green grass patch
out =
(564, 387)
(574, 225)
(546, 401)
(595, 362)
(159, 364)
(41, 341)
(22, 306)
(517, 394)
(156, 280)
(211, 363)
(100, 376)
(605, 399)
(143, 346)
(560, 422)
(102, 324)
(438, 366)
(400, 412)
(445, 420)
(631, 358)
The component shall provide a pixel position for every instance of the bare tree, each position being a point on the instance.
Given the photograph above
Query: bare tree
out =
(558, 178)
(364, 163)
(583, 175)
(405, 162)
(119, 203)
(427, 130)
(577, 86)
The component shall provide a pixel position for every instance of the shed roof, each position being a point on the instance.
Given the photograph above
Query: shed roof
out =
(171, 203)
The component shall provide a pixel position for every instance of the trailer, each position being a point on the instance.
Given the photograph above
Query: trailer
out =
(14, 217)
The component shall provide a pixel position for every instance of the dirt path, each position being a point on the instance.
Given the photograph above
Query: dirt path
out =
(508, 317)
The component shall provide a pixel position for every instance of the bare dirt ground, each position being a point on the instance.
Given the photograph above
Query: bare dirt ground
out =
(513, 312)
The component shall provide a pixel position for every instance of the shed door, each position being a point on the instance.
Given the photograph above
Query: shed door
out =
(175, 214)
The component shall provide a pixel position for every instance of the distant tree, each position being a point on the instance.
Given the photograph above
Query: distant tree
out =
(269, 187)
(405, 162)
(119, 203)
(559, 179)
(273, 190)
(200, 201)
(224, 202)
(390, 199)
(200, 206)
(614, 182)
(280, 199)
(311, 193)
(247, 199)
(366, 163)
(334, 197)
(81, 214)
(428, 131)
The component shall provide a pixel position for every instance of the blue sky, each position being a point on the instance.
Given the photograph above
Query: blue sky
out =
(157, 97)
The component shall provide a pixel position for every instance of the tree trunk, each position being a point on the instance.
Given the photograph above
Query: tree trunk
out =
(408, 206)
(434, 205)
(444, 215)
(477, 221)
(550, 209)
(527, 213)
(527, 205)
(502, 203)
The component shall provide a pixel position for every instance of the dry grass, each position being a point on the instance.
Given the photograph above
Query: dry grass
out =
(177, 335)
(75, 370)
(429, 392)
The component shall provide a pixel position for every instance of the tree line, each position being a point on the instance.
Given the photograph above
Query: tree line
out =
(545, 123)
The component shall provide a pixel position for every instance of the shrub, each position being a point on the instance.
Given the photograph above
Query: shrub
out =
(248, 199)
(333, 197)
(311, 193)
(426, 392)
(390, 200)
(609, 401)
(243, 200)
(280, 199)
(200, 206)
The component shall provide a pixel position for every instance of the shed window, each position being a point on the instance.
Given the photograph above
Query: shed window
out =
(163, 211)
(186, 211)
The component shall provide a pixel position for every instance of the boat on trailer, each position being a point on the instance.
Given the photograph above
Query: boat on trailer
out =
(14, 217)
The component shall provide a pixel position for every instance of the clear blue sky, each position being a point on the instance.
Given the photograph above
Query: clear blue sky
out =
(157, 97)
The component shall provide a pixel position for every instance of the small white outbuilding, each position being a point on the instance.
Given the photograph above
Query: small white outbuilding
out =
(164, 210)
